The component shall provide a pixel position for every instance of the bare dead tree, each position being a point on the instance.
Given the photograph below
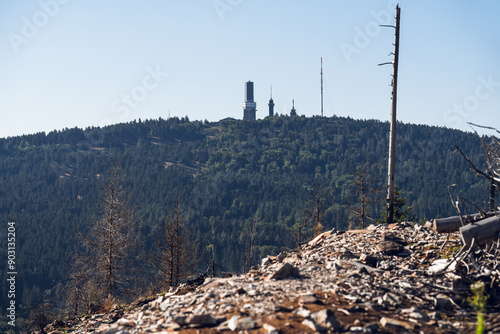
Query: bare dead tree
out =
(40, 316)
(176, 254)
(299, 230)
(249, 233)
(492, 155)
(492, 152)
(111, 241)
(212, 268)
(366, 194)
(486, 229)
(313, 213)
(76, 294)
(392, 133)
(320, 201)
(492, 172)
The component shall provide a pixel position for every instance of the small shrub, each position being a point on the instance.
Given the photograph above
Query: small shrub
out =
(478, 301)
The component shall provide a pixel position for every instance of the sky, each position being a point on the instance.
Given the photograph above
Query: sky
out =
(67, 63)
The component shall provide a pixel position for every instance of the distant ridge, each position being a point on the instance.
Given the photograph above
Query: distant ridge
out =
(227, 172)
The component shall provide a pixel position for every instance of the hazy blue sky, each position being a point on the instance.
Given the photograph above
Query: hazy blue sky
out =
(67, 63)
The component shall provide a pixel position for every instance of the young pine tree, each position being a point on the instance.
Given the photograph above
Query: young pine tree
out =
(401, 211)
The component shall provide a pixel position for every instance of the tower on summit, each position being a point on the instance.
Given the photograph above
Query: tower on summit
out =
(271, 104)
(249, 106)
(293, 112)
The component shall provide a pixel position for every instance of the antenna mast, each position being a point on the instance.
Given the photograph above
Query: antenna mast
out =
(271, 103)
(321, 86)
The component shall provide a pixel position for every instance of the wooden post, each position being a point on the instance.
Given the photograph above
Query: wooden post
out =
(492, 195)
(392, 133)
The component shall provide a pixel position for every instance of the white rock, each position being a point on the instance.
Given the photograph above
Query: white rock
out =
(232, 324)
(312, 325)
(126, 322)
(326, 319)
(270, 329)
(302, 312)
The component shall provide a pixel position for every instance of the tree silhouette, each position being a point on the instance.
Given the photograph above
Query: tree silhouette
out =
(110, 242)
(299, 231)
(366, 194)
(75, 287)
(40, 316)
(320, 200)
(175, 252)
(248, 240)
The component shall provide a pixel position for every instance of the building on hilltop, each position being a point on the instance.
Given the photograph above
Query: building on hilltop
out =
(271, 104)
(249, 106)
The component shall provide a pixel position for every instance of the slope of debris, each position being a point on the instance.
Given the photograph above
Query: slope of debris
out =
(385, 279)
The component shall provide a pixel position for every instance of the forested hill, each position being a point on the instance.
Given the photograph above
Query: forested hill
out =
(230, 173)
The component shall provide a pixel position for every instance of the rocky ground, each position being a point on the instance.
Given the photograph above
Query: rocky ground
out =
(402, 278)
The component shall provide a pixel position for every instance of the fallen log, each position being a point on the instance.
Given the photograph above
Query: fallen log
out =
(453, 223)
(481, 231)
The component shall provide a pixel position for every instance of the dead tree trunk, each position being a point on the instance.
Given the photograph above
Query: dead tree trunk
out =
(392, 134)
(453, 223)
(447, 225)
(492, 195)
(482, 231)
(249, 236)
(212, 270)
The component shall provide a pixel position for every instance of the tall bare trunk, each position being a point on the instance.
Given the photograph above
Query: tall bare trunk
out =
(392, 134)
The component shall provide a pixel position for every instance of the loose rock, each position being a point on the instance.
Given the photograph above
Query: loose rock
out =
(286, 271)
(378, 273)
(326, 319)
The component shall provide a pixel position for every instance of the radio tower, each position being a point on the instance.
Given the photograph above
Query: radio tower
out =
(321, 86)
(271, 104)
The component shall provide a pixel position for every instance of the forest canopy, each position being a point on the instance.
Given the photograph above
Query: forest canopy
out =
(229, 172)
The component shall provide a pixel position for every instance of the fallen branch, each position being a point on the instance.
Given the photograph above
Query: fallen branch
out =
(476, 170)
